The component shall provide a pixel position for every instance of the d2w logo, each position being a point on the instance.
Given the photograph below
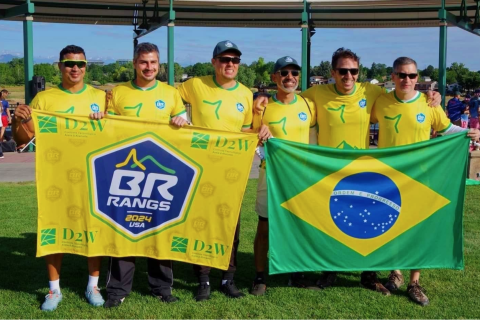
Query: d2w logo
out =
(141, 185)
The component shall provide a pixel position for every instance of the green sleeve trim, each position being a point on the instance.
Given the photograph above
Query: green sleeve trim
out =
(247, 126)
(112, 113)
(181, 112)
(442, 131)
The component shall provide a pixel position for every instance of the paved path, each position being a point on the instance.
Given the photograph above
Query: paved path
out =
(18, 167)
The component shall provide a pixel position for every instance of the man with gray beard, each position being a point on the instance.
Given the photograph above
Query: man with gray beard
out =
(289, 117)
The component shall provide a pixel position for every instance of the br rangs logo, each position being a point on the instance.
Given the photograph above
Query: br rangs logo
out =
(362, 103)
(228, 44)
(302, 116)
(94, 107)
(240, 107)
(160, 104)
(141, 185)
(288, 59)
(420, 118)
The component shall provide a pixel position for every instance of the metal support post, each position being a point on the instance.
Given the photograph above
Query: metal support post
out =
(304, 47)
(28, 56)
(442, 67)
(171, 59)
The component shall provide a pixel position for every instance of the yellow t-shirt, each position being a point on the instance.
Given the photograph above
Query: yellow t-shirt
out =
(291, 121)
(159, 102)
(343, 120)
(217, 108)
(401, 123)
(60, 100)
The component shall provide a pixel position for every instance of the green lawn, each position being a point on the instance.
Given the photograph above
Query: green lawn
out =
(23, 279)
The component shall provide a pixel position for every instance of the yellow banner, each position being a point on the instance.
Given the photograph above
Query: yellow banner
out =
(126, 187)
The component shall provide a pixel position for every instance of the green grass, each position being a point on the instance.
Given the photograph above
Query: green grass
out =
(23, 279)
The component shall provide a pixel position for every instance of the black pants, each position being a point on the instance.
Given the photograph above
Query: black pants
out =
(121, 271)
(203, 272)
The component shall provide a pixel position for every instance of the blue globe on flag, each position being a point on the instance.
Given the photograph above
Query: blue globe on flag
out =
(365, 205)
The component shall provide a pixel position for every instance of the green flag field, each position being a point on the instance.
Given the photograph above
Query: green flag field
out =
(24, 283)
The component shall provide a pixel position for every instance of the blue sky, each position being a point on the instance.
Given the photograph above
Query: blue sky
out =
(196, 44)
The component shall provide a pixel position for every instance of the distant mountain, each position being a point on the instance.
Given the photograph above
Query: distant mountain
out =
(8, 57)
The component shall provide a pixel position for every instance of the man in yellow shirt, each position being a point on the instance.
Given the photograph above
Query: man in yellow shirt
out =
(220, 102)
(146, 98)
(290, 117)
(404, 117)
(72, 96)
(343, 118)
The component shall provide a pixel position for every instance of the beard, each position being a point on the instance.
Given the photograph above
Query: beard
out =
(288, 90)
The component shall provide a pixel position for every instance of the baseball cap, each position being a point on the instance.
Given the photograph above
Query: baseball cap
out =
(477, 90)
(457, 93)
(285, 61)
(468, 96)
(224, 46)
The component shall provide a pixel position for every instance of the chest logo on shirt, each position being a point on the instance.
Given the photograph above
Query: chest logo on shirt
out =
(160, 104)
(240, 107)
(420, 118)
(94, 107)
(362, 103)
(302, 116)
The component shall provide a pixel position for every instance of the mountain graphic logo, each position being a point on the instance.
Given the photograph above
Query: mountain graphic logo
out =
(139, 163)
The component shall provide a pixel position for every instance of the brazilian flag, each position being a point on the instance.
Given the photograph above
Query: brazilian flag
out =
(377, 209)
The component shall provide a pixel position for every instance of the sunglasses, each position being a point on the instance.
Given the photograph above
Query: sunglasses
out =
(234, 60)
(285, 73)
(402, 75)
(344, 71)
(72, 63)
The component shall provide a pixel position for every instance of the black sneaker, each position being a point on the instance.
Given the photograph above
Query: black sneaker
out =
(112, 303)
(231, 290)
(203, 292)
(166, 298)
(298, 280)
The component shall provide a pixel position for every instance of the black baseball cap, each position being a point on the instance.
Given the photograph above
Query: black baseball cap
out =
(477, 91)
(224, 46)
(285, 61)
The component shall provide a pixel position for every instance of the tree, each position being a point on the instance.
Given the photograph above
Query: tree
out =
(246, 76)
(428, 72)
(324, 69)
(472, 80)
(460, 72)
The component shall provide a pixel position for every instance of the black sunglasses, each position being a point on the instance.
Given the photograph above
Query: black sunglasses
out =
(73, 63)
(234, 60)
(344, 71)
(402, 75)
(285, 73)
